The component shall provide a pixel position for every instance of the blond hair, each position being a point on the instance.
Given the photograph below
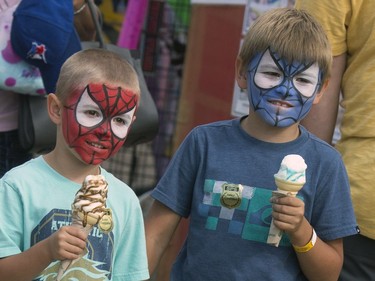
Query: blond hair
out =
(95, 66)
(294, 34)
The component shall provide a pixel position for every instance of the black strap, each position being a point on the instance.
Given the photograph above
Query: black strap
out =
(95, 18)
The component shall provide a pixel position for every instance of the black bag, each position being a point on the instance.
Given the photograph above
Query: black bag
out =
(37, 133)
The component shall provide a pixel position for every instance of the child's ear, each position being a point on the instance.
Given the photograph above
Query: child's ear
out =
(319, 95)
(240, 75)
(54, 108)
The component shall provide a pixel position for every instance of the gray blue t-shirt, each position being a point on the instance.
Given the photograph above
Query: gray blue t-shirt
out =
(35, 201)
(229, 244)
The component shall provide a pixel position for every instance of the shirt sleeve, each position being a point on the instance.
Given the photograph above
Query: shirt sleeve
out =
(11, 234)
(175, 188)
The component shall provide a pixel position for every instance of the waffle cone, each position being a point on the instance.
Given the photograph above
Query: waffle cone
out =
(287, 186)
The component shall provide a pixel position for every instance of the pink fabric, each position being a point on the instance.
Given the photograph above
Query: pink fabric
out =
(132, 25)
(8, 100)
(8, 3)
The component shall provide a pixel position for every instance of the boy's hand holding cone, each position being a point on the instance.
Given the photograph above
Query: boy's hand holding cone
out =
(289, 180)
(89, 209)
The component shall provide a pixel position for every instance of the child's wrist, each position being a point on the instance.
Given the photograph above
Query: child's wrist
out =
(47, 253)
(303, 234)
(308, 246)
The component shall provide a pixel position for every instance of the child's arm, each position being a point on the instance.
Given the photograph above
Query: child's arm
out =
(66, 243)
(83, 22)
(160, 224)
(324, 260)
(321, 120)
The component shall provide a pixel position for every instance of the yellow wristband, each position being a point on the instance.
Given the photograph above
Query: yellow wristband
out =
(308, 246)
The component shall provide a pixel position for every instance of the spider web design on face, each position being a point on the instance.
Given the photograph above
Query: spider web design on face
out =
(112, 102)
(284, 91)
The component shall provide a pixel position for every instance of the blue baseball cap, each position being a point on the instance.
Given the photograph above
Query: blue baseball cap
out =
(43, 34)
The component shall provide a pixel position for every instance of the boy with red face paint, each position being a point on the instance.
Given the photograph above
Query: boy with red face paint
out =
(94, 106)
(284, 65)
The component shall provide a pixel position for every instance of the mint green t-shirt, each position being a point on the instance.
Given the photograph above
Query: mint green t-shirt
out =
(35, 201)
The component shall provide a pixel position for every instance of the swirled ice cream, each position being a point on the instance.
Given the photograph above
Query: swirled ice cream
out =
(90, 201)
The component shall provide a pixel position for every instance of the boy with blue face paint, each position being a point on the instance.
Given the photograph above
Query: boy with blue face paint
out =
(284, 64)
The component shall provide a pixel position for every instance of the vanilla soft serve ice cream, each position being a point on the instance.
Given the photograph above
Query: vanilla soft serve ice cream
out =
(289, 180)
(292, 173)
(292, 169)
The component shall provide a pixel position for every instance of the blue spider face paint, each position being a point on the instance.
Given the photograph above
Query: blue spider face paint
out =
(281, 93)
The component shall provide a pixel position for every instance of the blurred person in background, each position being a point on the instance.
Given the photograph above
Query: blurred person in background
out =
(350, 26)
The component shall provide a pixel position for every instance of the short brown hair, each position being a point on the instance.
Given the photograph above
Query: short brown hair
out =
(95, 66)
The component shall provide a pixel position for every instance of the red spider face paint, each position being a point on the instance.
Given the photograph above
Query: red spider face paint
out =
(97, 121)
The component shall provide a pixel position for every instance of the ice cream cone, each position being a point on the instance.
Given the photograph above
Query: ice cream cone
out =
(289, 181)
(88, 209)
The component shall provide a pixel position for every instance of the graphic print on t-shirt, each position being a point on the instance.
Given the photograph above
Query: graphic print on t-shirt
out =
(94, 265)
(250, 220)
